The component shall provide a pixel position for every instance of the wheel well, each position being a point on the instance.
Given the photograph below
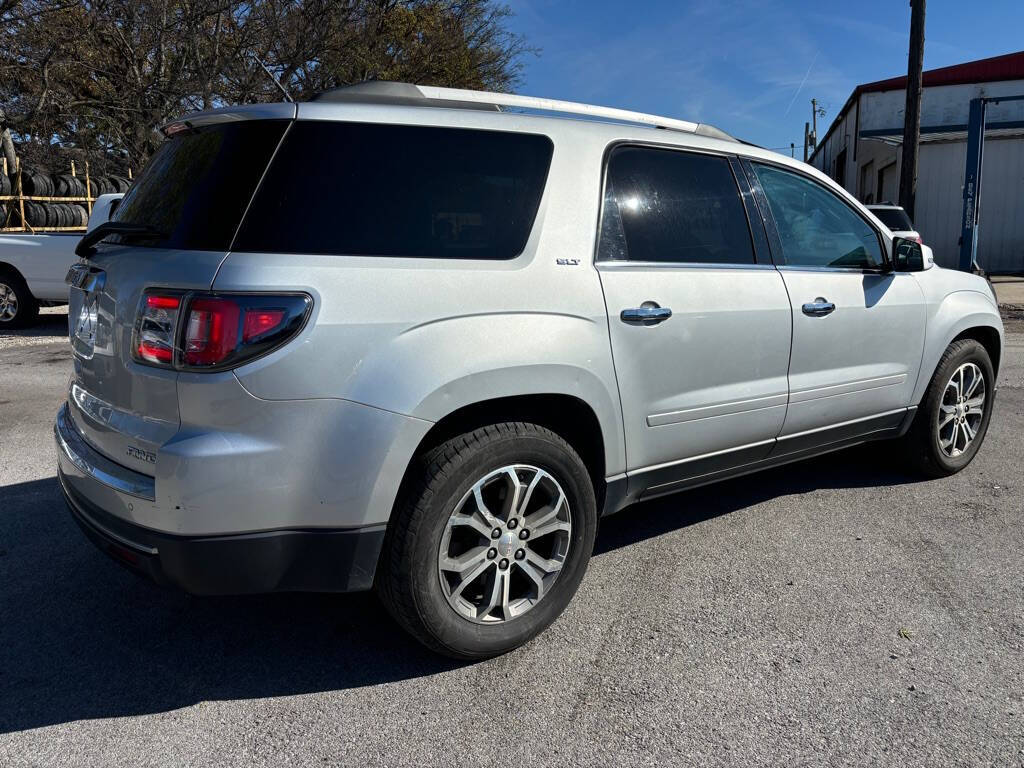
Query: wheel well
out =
(565, 415)
(988, 338)
(9, 269)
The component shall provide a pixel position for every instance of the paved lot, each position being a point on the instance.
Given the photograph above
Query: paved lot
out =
(832, 612)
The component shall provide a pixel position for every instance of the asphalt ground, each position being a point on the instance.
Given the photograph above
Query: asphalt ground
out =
(833, 612)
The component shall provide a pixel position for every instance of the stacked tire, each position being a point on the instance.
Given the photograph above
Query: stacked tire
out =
(40, 214)
(66, 185)
(5, 189)
(107, 185)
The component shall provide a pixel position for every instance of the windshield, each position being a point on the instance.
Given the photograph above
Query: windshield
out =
(196, 187)
(895, 219)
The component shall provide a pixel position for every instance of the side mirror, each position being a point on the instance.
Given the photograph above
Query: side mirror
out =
(909, 255)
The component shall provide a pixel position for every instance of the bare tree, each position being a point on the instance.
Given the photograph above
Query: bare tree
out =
(93, 77)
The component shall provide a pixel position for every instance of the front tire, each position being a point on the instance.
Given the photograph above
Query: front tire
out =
(489, 540)
(954, 414)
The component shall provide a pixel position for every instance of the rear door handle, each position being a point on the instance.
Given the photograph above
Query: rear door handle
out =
(649, 313)
(819, 307)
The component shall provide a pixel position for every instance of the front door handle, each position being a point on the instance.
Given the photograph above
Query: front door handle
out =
(648, 313)
(819, 307)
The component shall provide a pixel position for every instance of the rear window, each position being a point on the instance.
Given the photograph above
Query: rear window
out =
(196, 186)
(390, 190)
(895, 219)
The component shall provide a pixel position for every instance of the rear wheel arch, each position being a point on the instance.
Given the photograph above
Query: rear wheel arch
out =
(570, 417)
(9, 270)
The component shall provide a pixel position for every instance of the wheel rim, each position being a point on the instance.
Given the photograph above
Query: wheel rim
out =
(8, 302)
(961, 410)
(505, 543)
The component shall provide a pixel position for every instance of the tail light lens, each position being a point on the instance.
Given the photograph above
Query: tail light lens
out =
(215, 331)
(211, 331)
(155, 328)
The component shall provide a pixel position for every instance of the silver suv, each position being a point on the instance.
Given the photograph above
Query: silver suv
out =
(421, 340)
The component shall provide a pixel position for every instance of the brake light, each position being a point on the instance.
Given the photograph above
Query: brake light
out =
(212, 331)
(260, 321)
(163, 302)
(215, 331)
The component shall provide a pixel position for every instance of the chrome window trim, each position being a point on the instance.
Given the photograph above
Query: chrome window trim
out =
(692, 265)
(852, 270)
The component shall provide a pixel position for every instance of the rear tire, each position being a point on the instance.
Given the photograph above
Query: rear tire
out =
(514, 596)
(18, 307)
(948, 428)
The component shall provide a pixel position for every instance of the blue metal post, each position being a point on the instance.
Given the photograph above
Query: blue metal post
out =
(972, 185)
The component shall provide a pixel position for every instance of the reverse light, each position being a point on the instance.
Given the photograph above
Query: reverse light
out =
(211, 331)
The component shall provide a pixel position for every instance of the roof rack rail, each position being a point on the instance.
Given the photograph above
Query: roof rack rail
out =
(408, 94)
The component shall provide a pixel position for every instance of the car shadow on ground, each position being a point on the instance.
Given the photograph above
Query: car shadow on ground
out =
(52, 325)
(81, 638)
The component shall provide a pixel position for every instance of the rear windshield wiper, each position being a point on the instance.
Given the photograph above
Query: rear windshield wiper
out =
(87, 245)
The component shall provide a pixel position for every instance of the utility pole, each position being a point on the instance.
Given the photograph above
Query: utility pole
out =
(814, 118)
(792, 149)
(912, 113)
(807, 134)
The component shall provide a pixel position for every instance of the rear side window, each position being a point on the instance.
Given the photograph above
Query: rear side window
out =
(895, 219)
(196, 186)
(389, 190)
(672, 206)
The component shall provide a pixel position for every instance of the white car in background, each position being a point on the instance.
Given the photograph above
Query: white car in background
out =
(897, 220)
(33, 267)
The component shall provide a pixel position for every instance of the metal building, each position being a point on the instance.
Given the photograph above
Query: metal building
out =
(862, 151)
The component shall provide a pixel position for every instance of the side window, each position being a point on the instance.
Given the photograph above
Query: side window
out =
(817, 229)
(673, 206)
(367, 189)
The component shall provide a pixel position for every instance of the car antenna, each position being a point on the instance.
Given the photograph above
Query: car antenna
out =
(273, 77)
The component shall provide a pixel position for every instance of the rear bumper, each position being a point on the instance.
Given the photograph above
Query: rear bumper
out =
(102, 496)
(267, 561)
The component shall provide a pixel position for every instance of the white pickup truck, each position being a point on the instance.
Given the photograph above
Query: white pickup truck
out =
(33, 267)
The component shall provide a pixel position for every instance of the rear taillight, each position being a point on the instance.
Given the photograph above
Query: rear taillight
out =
(211, 331)
(215, 331)
(155, 328)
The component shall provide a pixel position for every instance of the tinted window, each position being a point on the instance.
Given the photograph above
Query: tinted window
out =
(196, 186)
(392, 190)
(815, 226)
(895, 219)
(666, 205)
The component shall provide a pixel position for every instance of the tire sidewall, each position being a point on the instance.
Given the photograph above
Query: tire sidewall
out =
(972, 352)
(457, 633)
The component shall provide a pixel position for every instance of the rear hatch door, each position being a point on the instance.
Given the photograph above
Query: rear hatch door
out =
(193, 192)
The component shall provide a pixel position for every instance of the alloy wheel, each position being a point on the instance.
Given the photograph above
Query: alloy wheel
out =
(961, 410)
(8, 303)
(505, 543)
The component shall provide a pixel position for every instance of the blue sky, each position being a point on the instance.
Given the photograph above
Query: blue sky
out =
(750, 67)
